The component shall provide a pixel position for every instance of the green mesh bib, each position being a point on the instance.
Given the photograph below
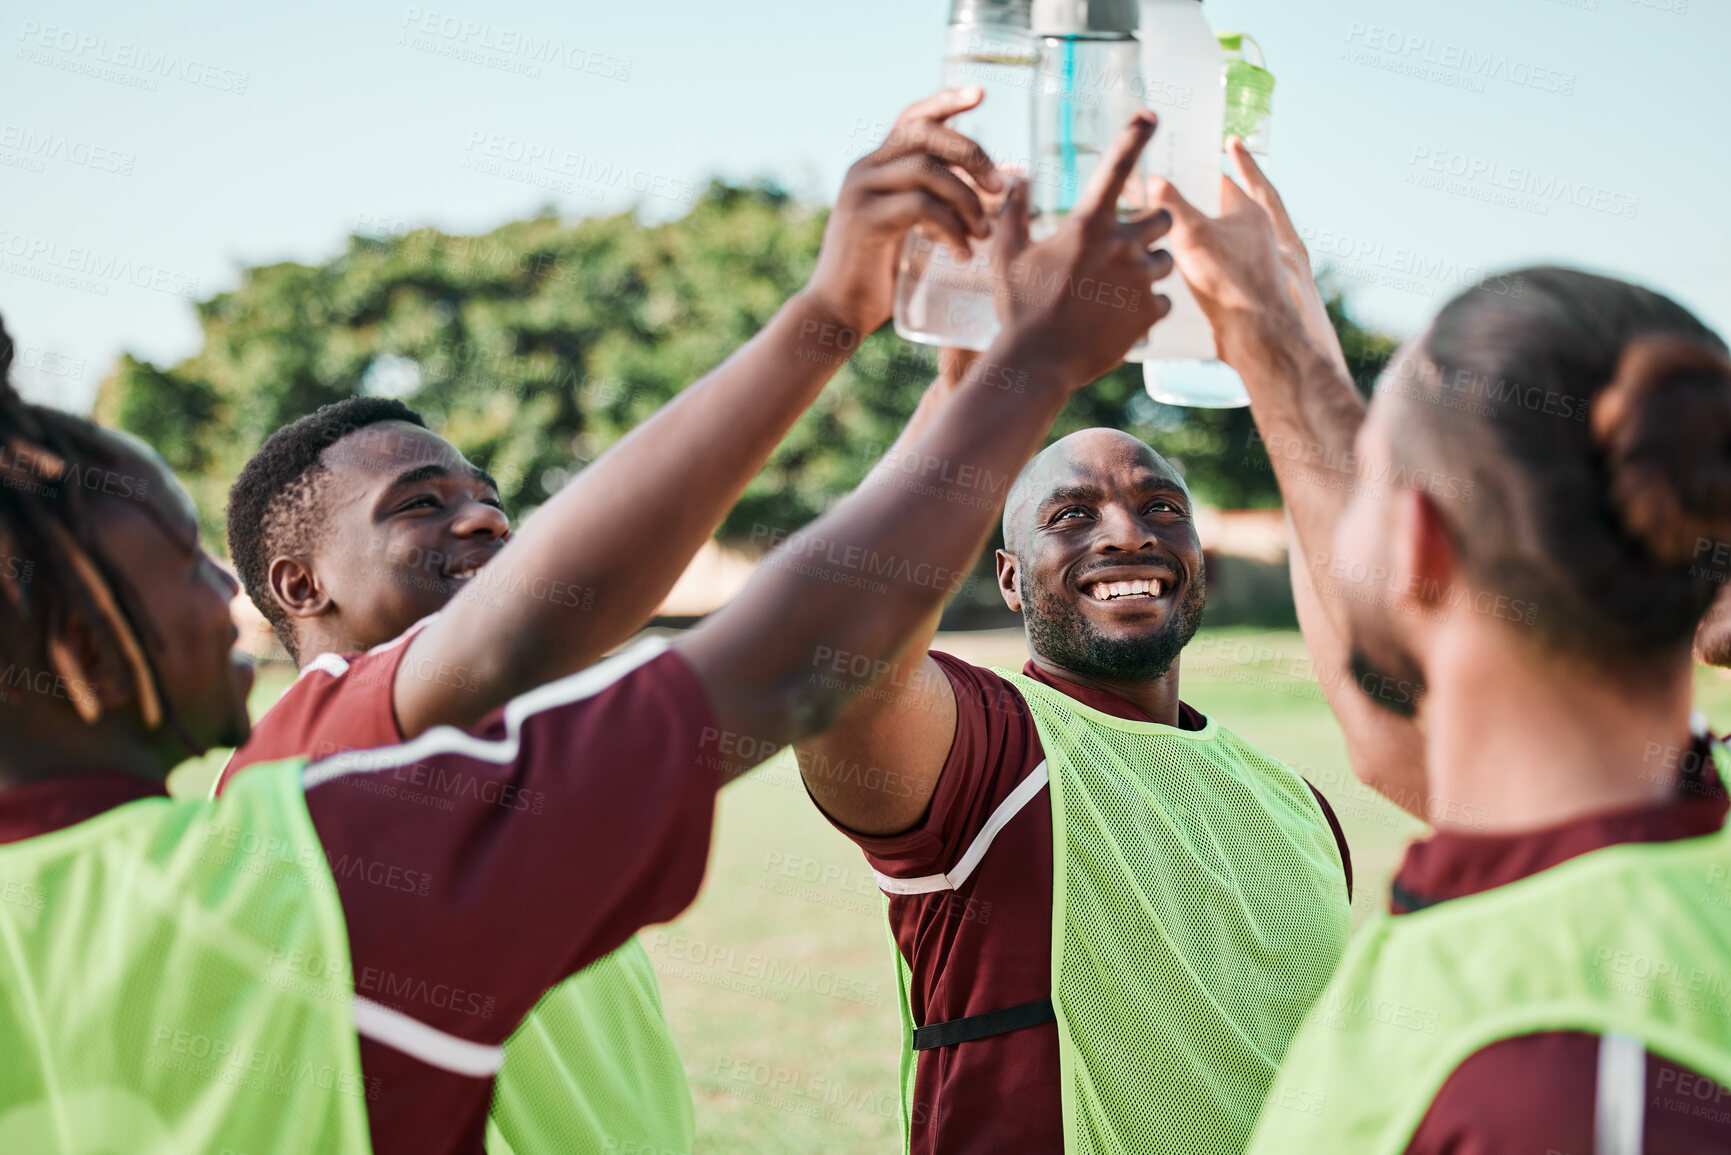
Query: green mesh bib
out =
(1631, 940)
(135, 1012)
(594, 1068)
(1200, 908)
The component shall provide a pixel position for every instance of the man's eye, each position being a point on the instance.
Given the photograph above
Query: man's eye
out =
(1073, 511)
(425, 501)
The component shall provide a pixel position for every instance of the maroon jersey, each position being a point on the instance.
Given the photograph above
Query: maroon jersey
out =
(339, 702)
(988, 945)
(477, 869)
(1538, 1092)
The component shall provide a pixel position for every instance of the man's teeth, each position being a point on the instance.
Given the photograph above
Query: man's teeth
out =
(1106, 591)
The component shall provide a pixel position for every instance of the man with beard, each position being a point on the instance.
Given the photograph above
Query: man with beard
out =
(176, 973)
(1111, 913)
(368, 541)
(1511, 550)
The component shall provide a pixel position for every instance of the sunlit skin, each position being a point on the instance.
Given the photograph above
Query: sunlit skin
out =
(1495, 695)
(188, 632)
(407, 521)
(1101, 507)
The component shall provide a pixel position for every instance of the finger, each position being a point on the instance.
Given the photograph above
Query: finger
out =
(904, 210)
(1234, 200)
(1262, 190)
(1159, 264)
(922, 170)
(952, 148)
(1163, 194)
(943, 104)
(1100, 199)
(1147, 228)
(1012, 223)
(953, 364)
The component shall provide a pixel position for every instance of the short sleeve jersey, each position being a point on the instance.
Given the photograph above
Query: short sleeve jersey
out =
(988, 945)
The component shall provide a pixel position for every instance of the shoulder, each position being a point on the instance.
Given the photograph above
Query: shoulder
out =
(1542, 1091)
(979, 690)
(337, 702)
(993, 753)
(1528, 1093)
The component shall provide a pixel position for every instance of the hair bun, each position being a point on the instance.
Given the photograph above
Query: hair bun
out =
(1664, 427)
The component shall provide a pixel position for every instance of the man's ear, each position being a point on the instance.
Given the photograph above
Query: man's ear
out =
(297, 589)
(1425, 561)
(1007, 584)
(91, 673)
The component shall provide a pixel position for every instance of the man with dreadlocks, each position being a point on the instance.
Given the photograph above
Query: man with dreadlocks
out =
(176, 974)
(354, 526)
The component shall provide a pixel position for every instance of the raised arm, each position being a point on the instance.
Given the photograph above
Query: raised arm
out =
(806, 637)
(1250, 272)
(626, 528)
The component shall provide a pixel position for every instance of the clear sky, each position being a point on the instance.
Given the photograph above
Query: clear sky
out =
(147, 151)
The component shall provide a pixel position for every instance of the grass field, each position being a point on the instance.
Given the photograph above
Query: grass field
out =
(778, 981)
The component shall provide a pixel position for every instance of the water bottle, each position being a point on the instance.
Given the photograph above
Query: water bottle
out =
(1249, 91)
(1183, 81)
(942, 299)
(1087, 87)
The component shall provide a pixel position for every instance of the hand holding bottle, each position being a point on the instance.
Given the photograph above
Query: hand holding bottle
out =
(1084, 295)
(1249, 270)
(906, 182)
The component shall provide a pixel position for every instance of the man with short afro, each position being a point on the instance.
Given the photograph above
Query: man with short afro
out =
(275, 504)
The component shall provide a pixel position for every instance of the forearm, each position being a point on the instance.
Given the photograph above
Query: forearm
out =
(1307, 411)
(596, 560)
(787, 656)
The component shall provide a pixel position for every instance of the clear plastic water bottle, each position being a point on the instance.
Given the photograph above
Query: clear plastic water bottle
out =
(1183, 77)
(942, 299)
(1249, 91)
(1088, 86)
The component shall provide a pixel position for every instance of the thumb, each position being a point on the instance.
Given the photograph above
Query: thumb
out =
(1163, 194)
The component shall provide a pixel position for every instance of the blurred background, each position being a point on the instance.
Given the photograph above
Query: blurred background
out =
(536, 222)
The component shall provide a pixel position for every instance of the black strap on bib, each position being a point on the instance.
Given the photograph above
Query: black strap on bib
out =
(984, 1026)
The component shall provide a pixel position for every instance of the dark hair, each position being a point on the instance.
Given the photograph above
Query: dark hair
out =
(273, 505)
(1592, 419)
(53, 566)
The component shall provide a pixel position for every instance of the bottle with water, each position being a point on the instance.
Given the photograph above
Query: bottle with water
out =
(1088, 86)
(941, 298)
(1183, 75)
(1249, 90)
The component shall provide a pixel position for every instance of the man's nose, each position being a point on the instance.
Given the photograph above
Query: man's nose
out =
(478, 519)
(1121, 529)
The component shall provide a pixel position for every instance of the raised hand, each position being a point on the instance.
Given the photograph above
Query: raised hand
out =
(1248, 268)
(1085, 295)
(907, 181)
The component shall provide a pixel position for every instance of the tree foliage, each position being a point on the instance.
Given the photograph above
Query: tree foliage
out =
(535, 346)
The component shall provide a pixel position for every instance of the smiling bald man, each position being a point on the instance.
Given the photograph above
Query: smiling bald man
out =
(1111, 912)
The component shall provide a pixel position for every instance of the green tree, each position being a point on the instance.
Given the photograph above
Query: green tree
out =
(535, 346)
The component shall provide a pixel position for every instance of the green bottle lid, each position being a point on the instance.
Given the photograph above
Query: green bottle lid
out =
(1249, 89)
